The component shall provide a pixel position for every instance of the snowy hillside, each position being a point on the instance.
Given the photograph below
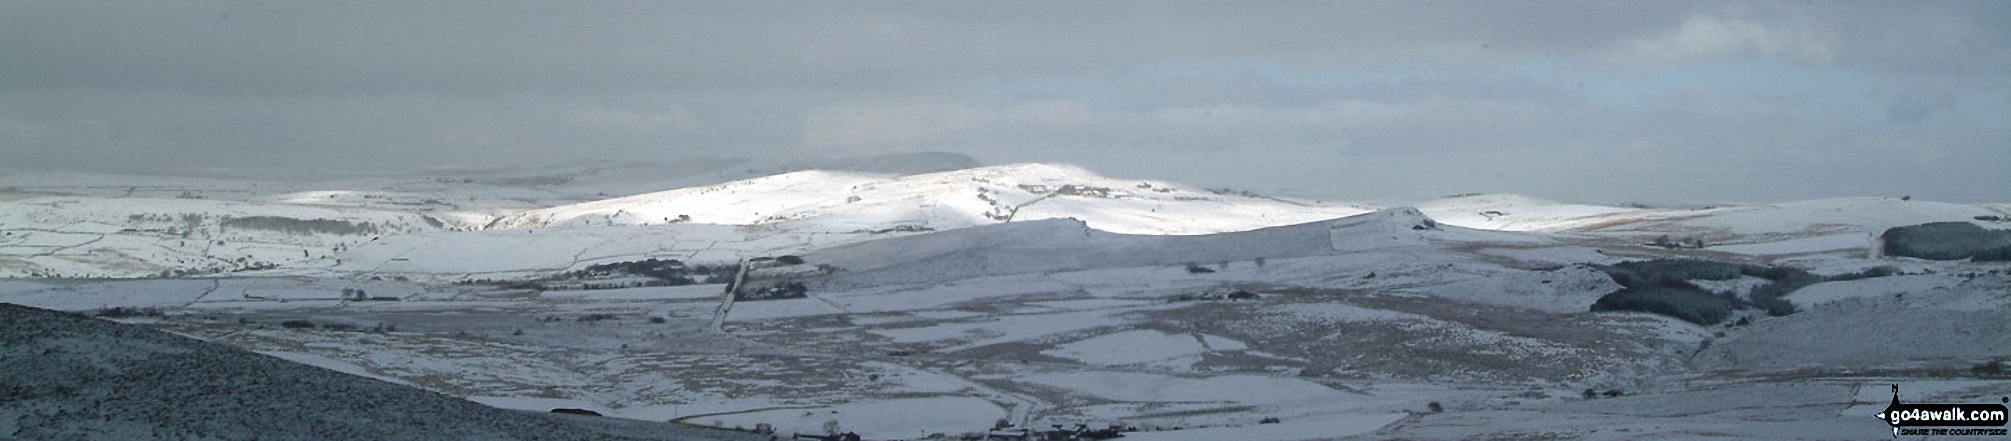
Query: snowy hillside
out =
(135, 237)
(839, 201)
(101, 225)
(903, 297)
(96, 225)
(1071, 245)
(1522, 213)
(1845, 225)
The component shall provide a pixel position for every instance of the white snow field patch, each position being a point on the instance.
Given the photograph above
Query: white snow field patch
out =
(841, 201)
(1507, 212)
(1828, 292)
(1140, 346)
(1141, 387)
(1817, 244)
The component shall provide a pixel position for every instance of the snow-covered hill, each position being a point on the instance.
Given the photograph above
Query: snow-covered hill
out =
(1072, 245)
(941, 301)
(841, 201)
(423, 222)
(82, 236)
(1842, 225)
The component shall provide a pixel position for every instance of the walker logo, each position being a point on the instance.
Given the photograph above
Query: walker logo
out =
(1908, 418)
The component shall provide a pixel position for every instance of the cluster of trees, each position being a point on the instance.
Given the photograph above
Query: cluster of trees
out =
(783, 260)
(357, 295)
(300, 226)
(908, 228)
(123, 312)
(589, 318)
(590, 286)
(1663, 287)
(1084, 191)
(304, 324)
(1589, 393)
(1690, 305)
(243, 264)
(1665, 242)
(1994, 368)
(1230, 296)
(667, 272)
(1148, 186)
(784, 290)
(191, 220)
(1948, 241)
(1225, 191)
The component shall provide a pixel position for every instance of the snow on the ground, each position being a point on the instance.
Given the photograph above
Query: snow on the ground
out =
(1090, 303)
(88, 296)
(1508, 212)
(1245, 389)
(686, 292)
(1563, 255)
(734, 203)
(1219, 343)
(1816, 244)
(1010, 328)
(936, 296)
(1059, 247)
(1382, 230)
(1737, 286)
(80, 236)
(784, 308)
(839, 201)
(1139, 347)
(1753, 225)
(1565, 290)
(1965, 321)
(875, 419)
(1317, 428)
(1341, 312)
(510, 254)
(14, 286)
(1827, 292)
(1086, 270)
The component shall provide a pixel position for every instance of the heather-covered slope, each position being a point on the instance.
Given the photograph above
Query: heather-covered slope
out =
(65, 376)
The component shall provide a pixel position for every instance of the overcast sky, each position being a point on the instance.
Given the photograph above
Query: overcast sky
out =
(1599, 101)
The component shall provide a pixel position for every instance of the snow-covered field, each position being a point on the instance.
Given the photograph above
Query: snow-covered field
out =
(941, 299)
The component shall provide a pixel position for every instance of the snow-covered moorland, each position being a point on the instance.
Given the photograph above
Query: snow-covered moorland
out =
(918, 296)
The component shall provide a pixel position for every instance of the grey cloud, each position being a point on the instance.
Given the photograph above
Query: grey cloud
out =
(509, 47)
(1918, 106)
(1371, 99)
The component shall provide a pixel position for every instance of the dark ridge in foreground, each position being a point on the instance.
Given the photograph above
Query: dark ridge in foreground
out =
(66, 376)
